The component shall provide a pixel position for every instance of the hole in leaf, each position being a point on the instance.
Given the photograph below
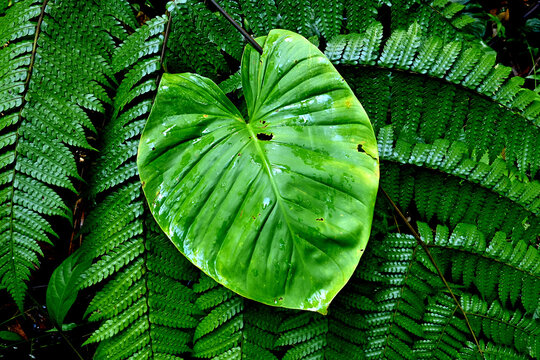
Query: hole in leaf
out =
(360, 148)
(320, 219)
(264, 137)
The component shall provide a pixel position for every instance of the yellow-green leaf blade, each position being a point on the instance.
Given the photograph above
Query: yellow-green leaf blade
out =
(277, 208)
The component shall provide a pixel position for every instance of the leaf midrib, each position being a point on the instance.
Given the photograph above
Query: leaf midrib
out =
(268, 170)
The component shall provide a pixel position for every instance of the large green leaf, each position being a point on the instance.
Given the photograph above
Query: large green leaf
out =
(277, 207)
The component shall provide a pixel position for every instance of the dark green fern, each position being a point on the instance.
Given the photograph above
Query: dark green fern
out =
(468, 115)
(441, 163)
(188, 50)
(232, 326)
(146, 309)
(458, 146)
(48, 89)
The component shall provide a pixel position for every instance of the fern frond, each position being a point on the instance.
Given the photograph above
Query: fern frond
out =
(296, 16)
(220, 31)
(43, 114)
(462, 21)
(464, 65)
(451, 9)
(234, 82)
(305, 349)
(391, 51)
(437, 18)
(145, 305)
(447, 58)
(296, 321)
(260, 16)
(353, 47)
(233, 326)
(460, 63)
(514, 333)
(120, 10)
(479, 72)
(218, 316)
(221, 345)
(429, 52)
(335, 47)
(413, 109)
(498, 258)
(223, 339)
(361, 14)
(146, 40)
(409, 47)
(303, 334)
(213, 298)
(453, 159)
(506, 93)
(118, 323)
(330, 14)
(461, 202)
(116, 290)
(392, 326)
(373, 90)
(356, 48)
(146, 308)
(188, 50)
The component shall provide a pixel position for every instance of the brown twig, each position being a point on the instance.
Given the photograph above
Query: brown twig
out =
(432, 260)
(244, 33)
(165, 38)
(163, 48)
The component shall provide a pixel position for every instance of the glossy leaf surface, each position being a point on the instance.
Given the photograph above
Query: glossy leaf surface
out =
(64, 286)
(276, 206)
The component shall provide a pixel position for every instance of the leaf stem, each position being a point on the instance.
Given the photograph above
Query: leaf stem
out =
(244, 33)
(432, 260)
(59, 327)
(70, 344)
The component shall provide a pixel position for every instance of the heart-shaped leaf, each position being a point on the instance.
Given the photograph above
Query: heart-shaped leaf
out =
(276, 207)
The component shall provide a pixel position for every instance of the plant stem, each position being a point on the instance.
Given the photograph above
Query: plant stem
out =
(70, 344)
(11, 318)
(46, 314)
(163, 49)
(244, 33)
(165, 38)
(432, 260)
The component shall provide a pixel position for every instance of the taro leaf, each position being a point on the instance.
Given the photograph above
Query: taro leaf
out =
(276, 207)
(64, 286)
